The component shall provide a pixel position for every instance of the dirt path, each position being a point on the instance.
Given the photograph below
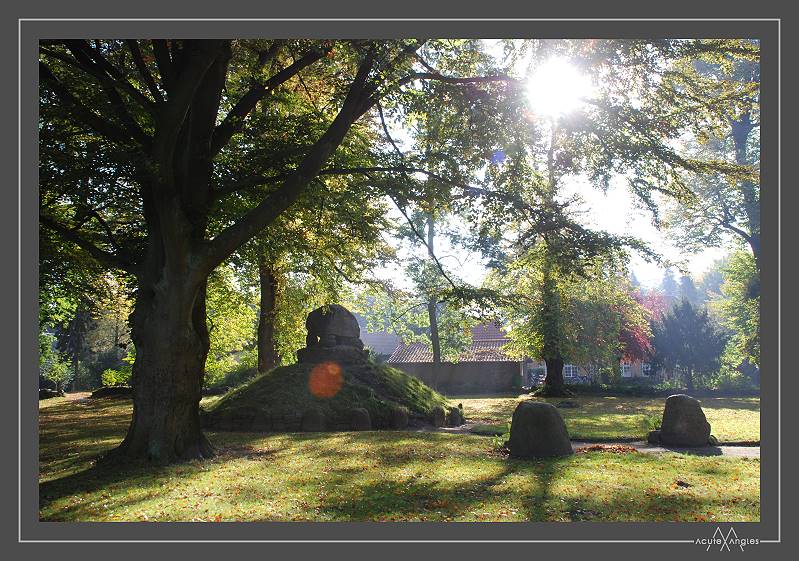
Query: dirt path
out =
(643, 446)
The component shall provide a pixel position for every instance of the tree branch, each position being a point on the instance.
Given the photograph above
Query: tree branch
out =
(269, 54)
(197, 62)
(106, 72)
(100, 125)
(234, 120)
(105, 257)
(146, 75)
(109, 85)
(355, 104)
(164, 62)
(457, 79)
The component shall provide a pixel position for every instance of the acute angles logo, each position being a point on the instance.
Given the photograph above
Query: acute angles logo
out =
(725, 541)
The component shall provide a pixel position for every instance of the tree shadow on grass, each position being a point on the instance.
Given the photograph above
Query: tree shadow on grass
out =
(749, 404)
(667, 506)
(79, 485)
(415, 497)
(126, 485)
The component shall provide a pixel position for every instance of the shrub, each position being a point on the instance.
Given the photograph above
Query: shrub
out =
(652, 422)
(111, 377)
(234, 374)
(86, 378)
(52, 366)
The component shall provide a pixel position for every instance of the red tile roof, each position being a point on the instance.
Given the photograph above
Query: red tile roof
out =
(488, 331)
(486, 346)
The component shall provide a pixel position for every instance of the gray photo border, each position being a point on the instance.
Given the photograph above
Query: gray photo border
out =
(29, 529)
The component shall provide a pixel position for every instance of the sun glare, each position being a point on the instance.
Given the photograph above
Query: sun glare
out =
(557, 88)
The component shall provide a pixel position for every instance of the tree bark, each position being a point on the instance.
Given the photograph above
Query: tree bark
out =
(689, 380)
(740, 131)
(554, 377)
(432, 306)
(171, 337)
(267, 349)
(432, 310)
(168, 324)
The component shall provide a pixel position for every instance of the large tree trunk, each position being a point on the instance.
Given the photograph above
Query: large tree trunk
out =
(435, 341)
(169, 330)
(740, 130)
(432, 306)
(689, 380)
(168, 325)
(267, 349)
(554, 377)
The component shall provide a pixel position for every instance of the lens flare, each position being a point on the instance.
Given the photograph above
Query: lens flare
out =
(325, 380)
(557, 88)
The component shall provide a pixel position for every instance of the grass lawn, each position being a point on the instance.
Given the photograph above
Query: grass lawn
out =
(390, 475)
(732, 419)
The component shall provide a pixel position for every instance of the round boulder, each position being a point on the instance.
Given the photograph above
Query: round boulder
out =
(684, 422)
(333, 325)
(567, 404)
(439, 416)
(360, 419)
(313, 420)
(455, 417)
(537, 430)
(112, 391)
(399, 418)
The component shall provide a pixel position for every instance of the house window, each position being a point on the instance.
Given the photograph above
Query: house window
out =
(646, 368)
(569, 371)
(626, 370)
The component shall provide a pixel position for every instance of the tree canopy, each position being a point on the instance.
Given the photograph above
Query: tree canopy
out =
(185, 166)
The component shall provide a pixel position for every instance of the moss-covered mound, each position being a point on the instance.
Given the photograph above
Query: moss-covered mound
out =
(308, 397)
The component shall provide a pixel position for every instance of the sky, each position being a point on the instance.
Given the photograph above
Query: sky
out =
(617, 213)
(614, 211)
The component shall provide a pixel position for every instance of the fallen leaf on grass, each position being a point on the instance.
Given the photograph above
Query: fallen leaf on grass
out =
(612, 448)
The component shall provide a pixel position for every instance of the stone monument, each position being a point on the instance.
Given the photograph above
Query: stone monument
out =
(537, 431)
(333, 335)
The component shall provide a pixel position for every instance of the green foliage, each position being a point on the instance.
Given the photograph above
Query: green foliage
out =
(405, 314)
(687, 342)
(585, 318)
(231, 315)
(111, 377)
(739, 308)
(652, 422)
(52, 366)
(241, 373)
(120, 376)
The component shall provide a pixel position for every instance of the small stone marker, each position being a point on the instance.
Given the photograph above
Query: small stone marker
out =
(455, 417)
(684, 422)
(312, 421)
(537, 431)
(360, 419)
(439, 416)
(112, 391)
(399, 418)
(567, 404)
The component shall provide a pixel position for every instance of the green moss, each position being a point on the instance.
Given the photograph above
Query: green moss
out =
(284, 394)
